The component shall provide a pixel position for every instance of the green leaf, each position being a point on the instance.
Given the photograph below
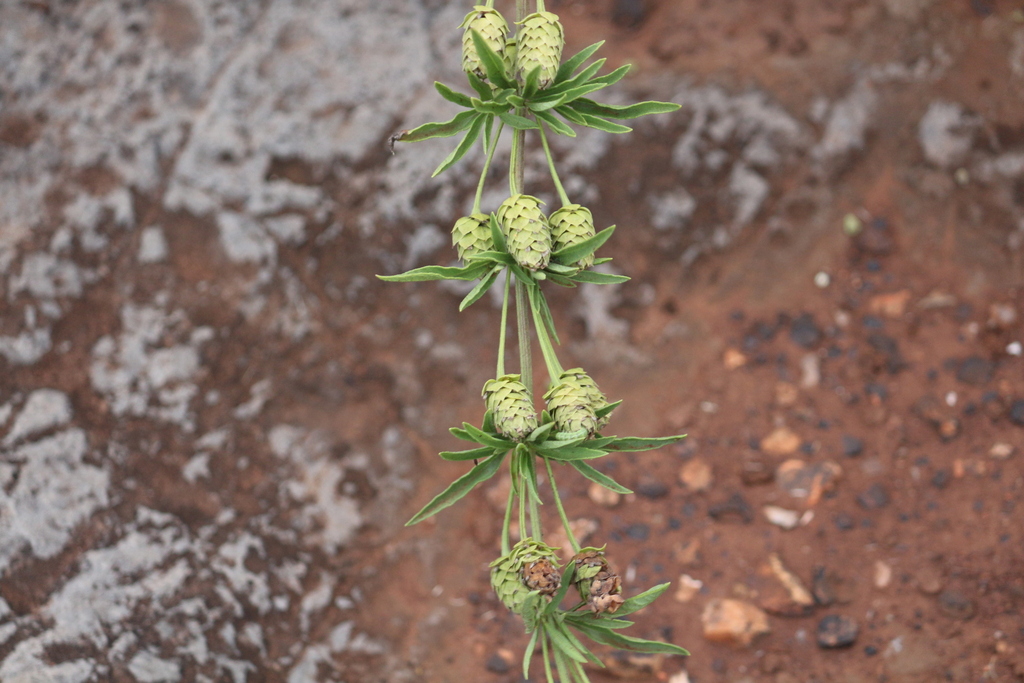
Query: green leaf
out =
(559, 269)
(491, 107)
(467, 143)
(557, 126)
(636, 444)
(472, 454)
(606, 636)
(570, 65)
(540, 433)
(599, 477)
(482, 89)
(528, 655)
(632, 111)
(602, 124)
(529, 466)
(577, 80)
(459, 488)
(571, 115)
(638, 602)
(516, 101)
(560, 641)
(427, 273)
(571, 453)
(452, 95)
(459, 123)
(531, 83)
(488, 424)
(540, 304)
(497, 236)
(575, 252)
(561, 280)
(613, 77)
(570, 95)
(488, 130)
(563, 590)
(493, 64)
(461, 434)
(480, 289)
(599, 278)
(485, 439)
(606, 410)
(517, 122)
(501, 257)
(599, 261)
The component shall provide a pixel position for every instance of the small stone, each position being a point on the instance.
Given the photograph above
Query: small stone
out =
(696, 475)
(734, 622)
(852, 446)
(1017, 413)
(975, 371)
(810, 371)
(782, 441)
(687, 553)
(892, 305)
(844, 522)
(781, 517)
(635, 665)
(929, 580)
(496, 664)
(835, 630)
(941, 478)
(956, 605)
(756, 470)
(638, 531)
(786, 394)
(688, 587)
(804, 332)
(735, 506)
(733, 359)
(874, 498)
(883, 574)
(829, 588)
(652, 489)
(798, 593)
(1001, 451)
(599, 495)
(152, 245)
(807, 481)
(1001, 316)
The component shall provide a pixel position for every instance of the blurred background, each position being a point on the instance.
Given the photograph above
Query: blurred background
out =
(214, 420)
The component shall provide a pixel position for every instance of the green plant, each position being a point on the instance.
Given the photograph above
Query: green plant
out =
(521, 83)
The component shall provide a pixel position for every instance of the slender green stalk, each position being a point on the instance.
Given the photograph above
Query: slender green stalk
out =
(561, 510)
(506, 541)
(487, 162)
(546, 348)
(523, 495)
(504, 327)
(525, 356)
(540, 6)
(535, 529)
(551, 166)
(547, 660)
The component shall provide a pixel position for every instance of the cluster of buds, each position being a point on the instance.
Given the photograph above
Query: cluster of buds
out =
(574, 401)
(472, 235)
(538, 44)
(598, 586)
(530, 566)
(511, 406)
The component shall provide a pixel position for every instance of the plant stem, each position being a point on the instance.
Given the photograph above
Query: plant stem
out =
(504, 327)
(561, 510)
(547, 350)
(535, 529)
(506, 541)
(547, 660)
(523, 330)
(487, 165)
(540, 5)
(551, 166)
(523, 494)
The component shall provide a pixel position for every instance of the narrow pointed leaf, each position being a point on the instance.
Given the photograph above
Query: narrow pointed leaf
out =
(571, 453)
(595, 476)
(636, 444)
(480, 289)
(452, 95)
(529, 466)
(638, 602)
(467, 144)
(459, 488)
(459, 123)
(580, 647)
(493, 64)
(428, 273)
(461, 434)
(631, 111)
(567, 647)
(570, 65)
(561, 280)
(528, 654)
(497, 236)
(605, 259)
(577, 80)
(556, 125)
(598, 278)
(490, 107)
(575, 252)
(501, 257)
(571, 115)
(540, 433)
(559, 269)
(570, 95)
(598, 123)
(563, 590)
(530, 85)
(517, 122)
(606, 410)
(482, 437)
(617, 640)
(613, 77)
(472, 454)
(482, 89)
(488, 131)
(488, 424)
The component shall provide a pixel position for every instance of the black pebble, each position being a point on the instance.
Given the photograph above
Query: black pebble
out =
(1017, 413)
(955, 604)
(844, 522)
(852, 446)
(940, 479)
(735, 506)
(638, 531)
(804, 332)
(653, 489)
(496, 664)
(975, 370)
(836, 630)
(874, 497)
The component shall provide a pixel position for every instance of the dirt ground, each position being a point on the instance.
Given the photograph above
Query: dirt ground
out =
(215, 420)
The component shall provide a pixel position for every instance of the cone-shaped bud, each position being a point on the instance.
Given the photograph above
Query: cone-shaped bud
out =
(509, 401)
(595, 398)
(570, 406)
(530, 566)
(540, 42)
(596, 583)
(571, 225)
(526, 230)
(510, 57)
(472, 235)
(492, 27)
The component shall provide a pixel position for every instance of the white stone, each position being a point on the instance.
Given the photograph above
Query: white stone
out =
(44, 409)
(148, 668)
(153, 245)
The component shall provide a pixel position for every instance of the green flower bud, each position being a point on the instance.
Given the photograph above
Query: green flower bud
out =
(540, 43)
(472, 235)
(571, 225)
(526, 231)
(530, 566)
(595, 582)
(492, 28)
(595, 398)
(510, 404)
(570, 407)
(510, 58)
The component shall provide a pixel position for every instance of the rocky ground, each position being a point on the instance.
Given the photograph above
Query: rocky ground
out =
(214, 420)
